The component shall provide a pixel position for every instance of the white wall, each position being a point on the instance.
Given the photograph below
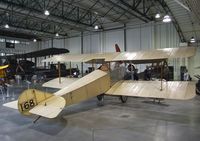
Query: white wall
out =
(166, 36)
(92, 43)
(110, 38)
(139, 38)
(19, 48)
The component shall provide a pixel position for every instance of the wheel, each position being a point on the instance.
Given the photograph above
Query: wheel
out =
(100, 97)
(100, 100)
(123, 99)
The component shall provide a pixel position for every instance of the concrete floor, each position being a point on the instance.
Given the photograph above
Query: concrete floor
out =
(137, 120)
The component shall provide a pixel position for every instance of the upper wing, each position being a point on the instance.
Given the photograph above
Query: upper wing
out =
(180, 90)
(155, 54)
(136, 57)
(54, 83)
(81, 57)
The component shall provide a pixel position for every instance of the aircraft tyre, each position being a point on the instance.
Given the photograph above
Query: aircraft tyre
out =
(100, 100)
(123, 99)
(100, 97)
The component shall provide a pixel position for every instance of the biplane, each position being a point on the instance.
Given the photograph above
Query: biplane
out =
(102, 81)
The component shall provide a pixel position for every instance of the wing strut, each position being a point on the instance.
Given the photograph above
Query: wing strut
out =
(70, 69)
(59, 73)
(161, 77)
(163, 65)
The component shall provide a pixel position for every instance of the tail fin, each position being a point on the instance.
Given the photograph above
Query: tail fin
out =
(37, 102)
(117, 49)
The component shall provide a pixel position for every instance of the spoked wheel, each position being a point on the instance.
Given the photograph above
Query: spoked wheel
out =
(123, 99)
(100, 99)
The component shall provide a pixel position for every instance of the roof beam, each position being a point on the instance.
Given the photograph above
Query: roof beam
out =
(174, 21)
(39, 13)
(124, 9)
(134, 8)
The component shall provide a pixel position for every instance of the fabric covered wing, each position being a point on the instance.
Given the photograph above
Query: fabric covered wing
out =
(146, 56)
(180, 90)
(54, 83)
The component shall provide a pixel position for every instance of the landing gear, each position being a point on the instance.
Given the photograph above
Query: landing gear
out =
(123, 99)
(197, 91)
(100, 99)
(198, 84)
(157, 100)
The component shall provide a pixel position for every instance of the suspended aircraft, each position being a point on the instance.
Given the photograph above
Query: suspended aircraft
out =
(26, 67)
(105, 81)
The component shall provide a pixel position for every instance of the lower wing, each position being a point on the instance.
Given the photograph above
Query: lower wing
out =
(54, 83)
(179, 90)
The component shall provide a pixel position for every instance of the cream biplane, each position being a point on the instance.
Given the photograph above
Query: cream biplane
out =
(75, 90)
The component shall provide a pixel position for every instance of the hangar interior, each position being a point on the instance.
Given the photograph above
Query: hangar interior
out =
(95, 26)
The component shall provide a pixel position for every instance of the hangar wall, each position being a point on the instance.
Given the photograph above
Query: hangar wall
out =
(19, 47)
(138, 37)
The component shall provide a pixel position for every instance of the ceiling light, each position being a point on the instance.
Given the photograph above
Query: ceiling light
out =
(57, 34)
(157, 16)
(46, 12)
(167, 19)
(34, 40)
(6, 26)
(192, 40)
(95, 12)
(96, 27)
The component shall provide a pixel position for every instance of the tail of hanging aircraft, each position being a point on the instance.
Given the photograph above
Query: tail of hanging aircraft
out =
(117, 48)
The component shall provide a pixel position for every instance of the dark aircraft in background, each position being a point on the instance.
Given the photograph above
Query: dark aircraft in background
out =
(19, 65)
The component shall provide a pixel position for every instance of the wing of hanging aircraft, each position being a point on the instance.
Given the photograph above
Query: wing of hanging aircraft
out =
(99, 82)
(3, 67)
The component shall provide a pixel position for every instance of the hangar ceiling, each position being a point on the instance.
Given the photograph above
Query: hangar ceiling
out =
(26, 17)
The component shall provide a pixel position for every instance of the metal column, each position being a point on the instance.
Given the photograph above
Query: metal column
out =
(82, 53)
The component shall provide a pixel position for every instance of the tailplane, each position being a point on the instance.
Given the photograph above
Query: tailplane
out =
(37, 102)
(41, 103)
